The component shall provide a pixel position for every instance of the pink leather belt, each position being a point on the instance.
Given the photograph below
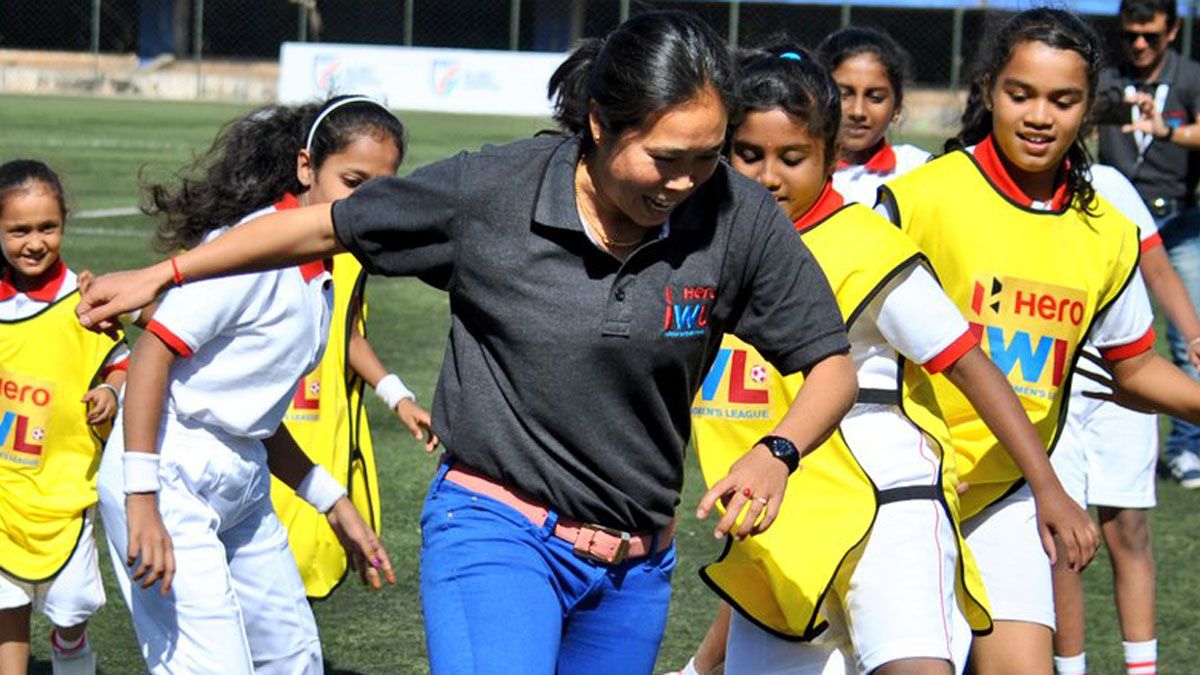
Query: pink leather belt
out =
(591, 541)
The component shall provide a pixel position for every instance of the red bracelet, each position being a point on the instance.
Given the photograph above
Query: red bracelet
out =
(175, 273)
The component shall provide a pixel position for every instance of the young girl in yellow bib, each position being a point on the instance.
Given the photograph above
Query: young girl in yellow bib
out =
(58, 388)
(863, 570)
(327, 415)
(1038, 263)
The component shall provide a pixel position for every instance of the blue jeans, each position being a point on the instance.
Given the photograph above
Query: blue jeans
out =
(502, 595)
(1181, 237)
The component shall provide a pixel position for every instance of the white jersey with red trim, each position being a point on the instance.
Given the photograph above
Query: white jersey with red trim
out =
(1111, 184)
(860, 182)
(895, 452)
(244, 341)
(16, 305)
(1116, 188)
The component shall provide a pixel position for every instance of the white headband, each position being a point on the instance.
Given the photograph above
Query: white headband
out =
(312, 132)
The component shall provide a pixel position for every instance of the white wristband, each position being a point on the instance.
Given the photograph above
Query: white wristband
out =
(116, 394)
(320, 489)
(141, 471)
(391, 391)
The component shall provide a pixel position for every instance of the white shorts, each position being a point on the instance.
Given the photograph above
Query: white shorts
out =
(1015, 568)
(898, 602)
(237, 605)
(71, 597)
(1107, 454)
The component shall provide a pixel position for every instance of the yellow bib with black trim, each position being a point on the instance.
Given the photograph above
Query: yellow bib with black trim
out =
(778, 579)
(1031, 283)
(328, 419)
(48, 453)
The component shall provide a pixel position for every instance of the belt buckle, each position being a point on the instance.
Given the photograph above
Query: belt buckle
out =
(586, 553)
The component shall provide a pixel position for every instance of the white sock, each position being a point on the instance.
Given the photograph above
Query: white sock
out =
(690, 668)
(65, 646)
(1071, 665)
(1141, 658)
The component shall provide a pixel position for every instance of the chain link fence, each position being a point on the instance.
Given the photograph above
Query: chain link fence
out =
(941, 41)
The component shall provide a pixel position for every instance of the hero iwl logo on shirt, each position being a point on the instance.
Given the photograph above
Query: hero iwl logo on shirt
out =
(1030, 330)
(687, 311)
(24, 417)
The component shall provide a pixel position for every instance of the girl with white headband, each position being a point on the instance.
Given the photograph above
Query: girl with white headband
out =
(327, 416)
(185, 480)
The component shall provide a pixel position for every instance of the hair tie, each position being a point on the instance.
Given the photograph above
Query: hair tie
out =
(312, 132)
(791, 56)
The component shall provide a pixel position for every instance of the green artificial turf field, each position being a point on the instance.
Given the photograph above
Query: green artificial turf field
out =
(100, 146)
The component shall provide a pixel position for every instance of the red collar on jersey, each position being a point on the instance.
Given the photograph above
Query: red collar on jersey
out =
(46, 291)
(883, 161)
(316, 268)
(988, 157)
(829, 202)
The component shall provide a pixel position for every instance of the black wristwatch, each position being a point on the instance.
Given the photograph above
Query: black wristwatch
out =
(1166, 138)
(784, 450)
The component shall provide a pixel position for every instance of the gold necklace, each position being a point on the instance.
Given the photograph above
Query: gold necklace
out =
(598, 230)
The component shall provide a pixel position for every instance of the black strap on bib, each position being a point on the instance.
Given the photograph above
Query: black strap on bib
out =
(904, 494)
(879, 396)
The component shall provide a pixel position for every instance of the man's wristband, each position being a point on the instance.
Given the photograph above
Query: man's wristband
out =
(391, 391)
(116, 394)
(141, 471)
(320, 489)
(1166, 138)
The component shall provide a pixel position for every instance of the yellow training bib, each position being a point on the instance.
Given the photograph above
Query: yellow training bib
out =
(779, 579)
(1030, 282)
(48, 454)
(328, 419)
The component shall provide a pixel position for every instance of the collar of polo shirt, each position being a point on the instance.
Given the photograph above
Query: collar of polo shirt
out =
(555, 204)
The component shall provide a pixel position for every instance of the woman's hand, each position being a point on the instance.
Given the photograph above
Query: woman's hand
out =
(101, 405)
(364, 553)
(1059, 516)
(756, 483)
(149, 542)
(416, 420)
(108, 296)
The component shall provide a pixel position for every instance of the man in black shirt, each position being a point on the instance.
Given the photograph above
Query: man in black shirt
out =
(1149, 106)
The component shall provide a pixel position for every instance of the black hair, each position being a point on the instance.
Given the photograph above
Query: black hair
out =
(18, 175)
(853, 41)
(649, 63)
(1143, 11)
(1055, 28)
(252, 163)
(784, 75)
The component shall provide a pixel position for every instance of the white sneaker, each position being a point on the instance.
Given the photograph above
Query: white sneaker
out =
(1185, 468)
(78, 661)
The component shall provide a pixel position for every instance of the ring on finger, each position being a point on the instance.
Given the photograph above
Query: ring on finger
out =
(762, 500)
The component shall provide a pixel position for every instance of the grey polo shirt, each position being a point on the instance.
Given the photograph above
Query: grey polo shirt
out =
(569, 375)
(1168, 170)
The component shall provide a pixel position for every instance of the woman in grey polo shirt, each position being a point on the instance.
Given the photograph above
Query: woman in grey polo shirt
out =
(590, 276)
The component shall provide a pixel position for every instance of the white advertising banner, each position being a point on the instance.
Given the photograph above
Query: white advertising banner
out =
(418, 78)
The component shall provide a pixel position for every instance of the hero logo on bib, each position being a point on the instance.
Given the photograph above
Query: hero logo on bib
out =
(24, 417)
(1029, 329)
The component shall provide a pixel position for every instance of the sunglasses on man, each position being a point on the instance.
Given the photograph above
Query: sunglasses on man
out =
(1152, 38)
